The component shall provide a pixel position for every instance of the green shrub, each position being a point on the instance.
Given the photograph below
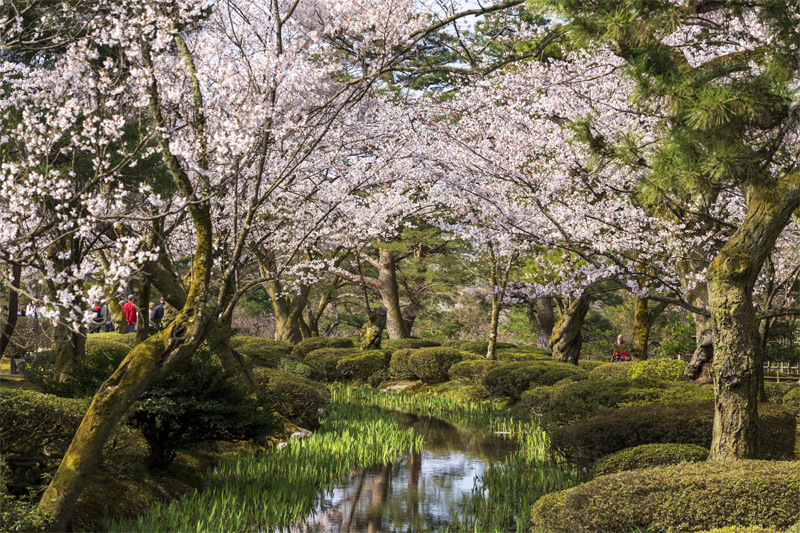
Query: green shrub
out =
(546, 513)
(38, 369)
(741, 529)
(398, 366)
(199, 402)
(612, 370)
(473, 371)
(431, 365)
(87, 374)
(537, 400)
(123, 338)
(532, 350)
(296, 366)
(685, 497)
(514, 356)
(515, 378)
(792, 401)
(794, 529)
(776, 391)
(648, 456)
(403, 344)
(666, 369)
(326, 359)
(296, 398)
(21, 515)
(261, 352)
(363, 365)
(611, 430)
(303, 348)
(476, 347)
(590, 365)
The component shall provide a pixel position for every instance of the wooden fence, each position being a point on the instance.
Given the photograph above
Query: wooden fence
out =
(779, 371)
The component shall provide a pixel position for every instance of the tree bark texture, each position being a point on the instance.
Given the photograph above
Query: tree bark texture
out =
(13, 304)
(566, 341)
(644, 317)
(737, 345)
(541, 319)
(390, 294)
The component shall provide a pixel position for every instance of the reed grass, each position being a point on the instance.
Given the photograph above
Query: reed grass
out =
(269, 490)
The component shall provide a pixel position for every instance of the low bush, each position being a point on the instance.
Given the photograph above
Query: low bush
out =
(431, 365)
(537, 400)
(685, 497)
(326, 359)
(296, 398)
(515, 378)
(398, 366)
(544, 352)
(87, 374)
(476, 347)
(585, 441)
(612, 370)
(296, 366)
(261, 352)
(123, 338)
(404, 344)
(776, 391)
(660, 368)
(792, 401)
(199, 402)
(20, 515)
(473, 371)
(362, 366)
(590, 365)
(648, 456)
(514, 356)
(305, 347)
(741, 529)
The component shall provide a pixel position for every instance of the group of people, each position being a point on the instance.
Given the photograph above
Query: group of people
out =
(620, 351)
(30, 311)
(102, 316)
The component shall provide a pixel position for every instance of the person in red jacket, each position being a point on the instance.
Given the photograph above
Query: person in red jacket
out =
(130, 313)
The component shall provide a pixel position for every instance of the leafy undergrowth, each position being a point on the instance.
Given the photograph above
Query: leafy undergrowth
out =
(271, 489)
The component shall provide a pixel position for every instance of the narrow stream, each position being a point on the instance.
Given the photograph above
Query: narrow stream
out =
(417, 493)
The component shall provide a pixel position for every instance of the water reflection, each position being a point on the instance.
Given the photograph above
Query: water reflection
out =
(417, 493)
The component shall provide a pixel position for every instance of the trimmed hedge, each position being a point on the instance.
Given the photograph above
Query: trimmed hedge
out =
(514, 356)
(776, 391)
(515, 378)
(612, 370)
(792, 401)
(431, 365)
(473, 371)
(362, 365)
(648, 456)
(476, 347)
(295, 397)
(590, 365)
(537, 400)
(398, 366)
(305, 347)
(403, 344)
(685, 497)
(326, 359)
(585, 441)
(659, 368)
(261, 352)
(296, 366)
(123, 338)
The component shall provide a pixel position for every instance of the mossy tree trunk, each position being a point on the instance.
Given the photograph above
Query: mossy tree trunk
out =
(541, 319)
(390, 293)
(644, 317)
(566, 341)
(13, 303)
(288, 308)
(737, 344)
(152, 360)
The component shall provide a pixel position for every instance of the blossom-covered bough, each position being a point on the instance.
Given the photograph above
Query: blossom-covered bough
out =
(142, 129)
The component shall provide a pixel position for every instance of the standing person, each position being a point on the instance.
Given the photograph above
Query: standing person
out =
(33, 309)
(158, 314)
(105, 314)
(20, 311)
(130, 314)
(620, 350)
(97, 319)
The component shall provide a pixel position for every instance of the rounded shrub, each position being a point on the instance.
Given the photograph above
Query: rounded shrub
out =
(296, 366)
(476, 347)
(612, 370)
(398, 365)
(402, 344)
(792, 401)
(648, 456)
(532, 350)
(585, 441)
(515, 378)
(473, 371)
(660, 368)
(296, 397)
(537, 400)
(685, 497)
(742, 529)
(514, 356)
(590, 365)
(776, 391)
(362, 366)
(303, 348)
(87, 374)
(326, 359)
(123, 338)
(431, 365)
(261, 352)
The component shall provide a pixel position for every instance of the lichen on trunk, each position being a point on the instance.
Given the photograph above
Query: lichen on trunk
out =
(566, 341)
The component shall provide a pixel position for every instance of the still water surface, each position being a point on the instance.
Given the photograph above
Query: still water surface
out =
(417, 493)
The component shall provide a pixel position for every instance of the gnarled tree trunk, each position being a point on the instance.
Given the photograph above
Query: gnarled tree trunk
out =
(13, 304)
(542, 319)
(390, 294)
(642, 325)
(566, 341)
